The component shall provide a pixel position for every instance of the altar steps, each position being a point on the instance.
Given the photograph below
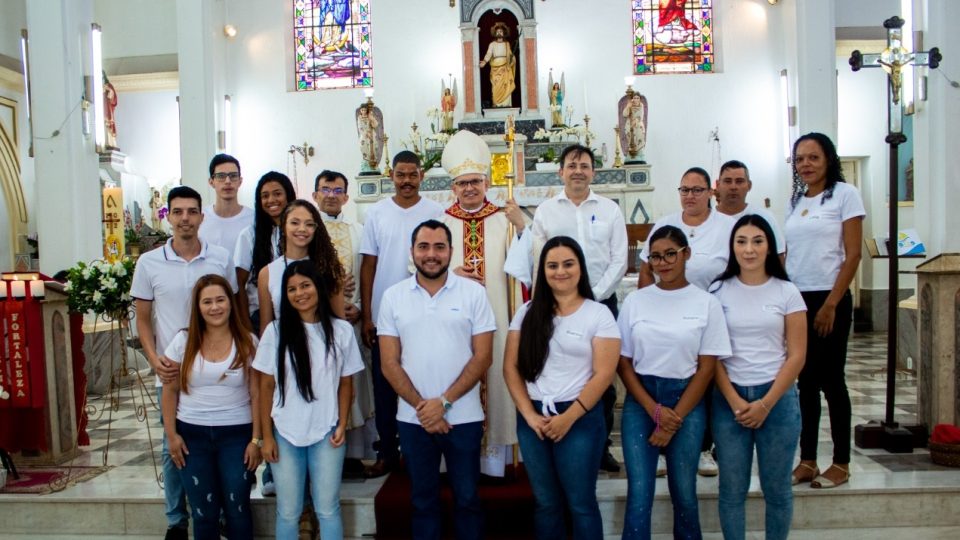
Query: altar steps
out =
(884, 502)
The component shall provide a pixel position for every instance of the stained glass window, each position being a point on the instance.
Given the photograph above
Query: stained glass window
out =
(673, 36)
(332, 44)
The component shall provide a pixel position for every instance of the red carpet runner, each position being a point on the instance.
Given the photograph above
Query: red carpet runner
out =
(507, 507)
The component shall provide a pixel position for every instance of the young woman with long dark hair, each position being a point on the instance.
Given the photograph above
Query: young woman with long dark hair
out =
(755, 404)
(302, 237)
(560, 356)
(209, 411)
(306, 360)
(824, 232)
(672, 333)
(259, 245)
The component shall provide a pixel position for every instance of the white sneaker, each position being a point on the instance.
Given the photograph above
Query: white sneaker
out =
(269, 489)
(661, 467)
(707, 466)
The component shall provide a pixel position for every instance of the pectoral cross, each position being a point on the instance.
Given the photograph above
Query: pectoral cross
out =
(889, 434)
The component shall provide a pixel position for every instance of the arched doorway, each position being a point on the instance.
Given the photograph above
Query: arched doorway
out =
(14, 204)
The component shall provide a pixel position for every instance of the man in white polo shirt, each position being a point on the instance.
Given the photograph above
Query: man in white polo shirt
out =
(226, 218)
(733, 184)
(436, 336)
(162, 284)
(385, 247)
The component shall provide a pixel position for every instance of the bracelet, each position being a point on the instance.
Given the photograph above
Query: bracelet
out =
(764, 405)
(656, 418)
(585, 409)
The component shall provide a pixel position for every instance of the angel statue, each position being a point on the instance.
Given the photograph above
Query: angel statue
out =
(557, 91)
(448, 102)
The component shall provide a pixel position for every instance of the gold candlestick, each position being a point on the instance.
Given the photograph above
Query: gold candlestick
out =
(617, 160)
(386, 157)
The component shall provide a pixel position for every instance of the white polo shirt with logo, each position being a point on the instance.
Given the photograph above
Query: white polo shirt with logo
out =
(166, 279)
(436, 339)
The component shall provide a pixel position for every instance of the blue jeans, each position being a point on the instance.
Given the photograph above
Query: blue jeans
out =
(776, 442)
(683, 455)
(385, 404)
(216, 480)
(175, 499)
(564, 474)
(460, 447)
(325, 466)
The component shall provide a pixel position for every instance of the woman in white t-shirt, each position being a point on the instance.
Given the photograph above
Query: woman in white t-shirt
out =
(306, 360)
(824, 231)
(671, 335)
(212, 432)
(259, 245)
(755, 401)
(302, 237)
(560, 356)
(707, 231)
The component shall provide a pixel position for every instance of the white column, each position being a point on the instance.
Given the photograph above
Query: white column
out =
(816, 67)
(936, 132)
(67, 204)
(201, 60)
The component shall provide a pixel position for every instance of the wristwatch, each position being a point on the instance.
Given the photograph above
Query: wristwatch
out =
(257, 442)
(447, 405)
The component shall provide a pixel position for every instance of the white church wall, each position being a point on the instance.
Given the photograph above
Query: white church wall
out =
(137, 27)
(417, 42)
(853, 13)
(148, 132)
(12, 20)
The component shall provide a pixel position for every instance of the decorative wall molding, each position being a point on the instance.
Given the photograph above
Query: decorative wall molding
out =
(11, 80)
(146, 82)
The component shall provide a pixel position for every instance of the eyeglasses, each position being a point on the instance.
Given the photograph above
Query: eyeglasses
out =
(695, 191)
(475, 182)
(332, 191)
(226, 177)
(668, 257)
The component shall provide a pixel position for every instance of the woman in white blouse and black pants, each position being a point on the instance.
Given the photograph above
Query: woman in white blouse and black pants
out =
(824, 231)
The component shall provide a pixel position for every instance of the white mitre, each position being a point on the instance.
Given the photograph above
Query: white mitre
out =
(466, 153)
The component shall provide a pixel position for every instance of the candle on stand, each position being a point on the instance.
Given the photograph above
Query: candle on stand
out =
(37, 289)
(18, 289)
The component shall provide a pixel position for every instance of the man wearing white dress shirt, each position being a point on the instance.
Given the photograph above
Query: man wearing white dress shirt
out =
(597, 224)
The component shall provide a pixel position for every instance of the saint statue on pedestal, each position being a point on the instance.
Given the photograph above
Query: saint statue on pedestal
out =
(557, 91)
(370, 132)
(633, 125)
(448, 102)
(502, 66)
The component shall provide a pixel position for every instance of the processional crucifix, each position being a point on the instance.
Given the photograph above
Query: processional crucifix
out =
(888, 434)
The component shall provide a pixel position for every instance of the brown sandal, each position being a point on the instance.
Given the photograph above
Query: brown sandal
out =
(822, 482)
(797, 479)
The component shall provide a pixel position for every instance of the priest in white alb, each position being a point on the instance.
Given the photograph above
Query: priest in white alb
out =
(480, 240)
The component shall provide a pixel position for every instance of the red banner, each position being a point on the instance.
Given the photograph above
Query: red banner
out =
(17, 356)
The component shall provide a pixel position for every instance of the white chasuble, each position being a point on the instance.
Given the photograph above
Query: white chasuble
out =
(345, 238)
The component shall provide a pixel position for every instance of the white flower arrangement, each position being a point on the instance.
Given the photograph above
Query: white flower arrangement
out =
(100, 287)
(541, 134)
(440, 138)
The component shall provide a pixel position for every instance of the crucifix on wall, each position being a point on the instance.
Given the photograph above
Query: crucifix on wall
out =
(889, 434)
